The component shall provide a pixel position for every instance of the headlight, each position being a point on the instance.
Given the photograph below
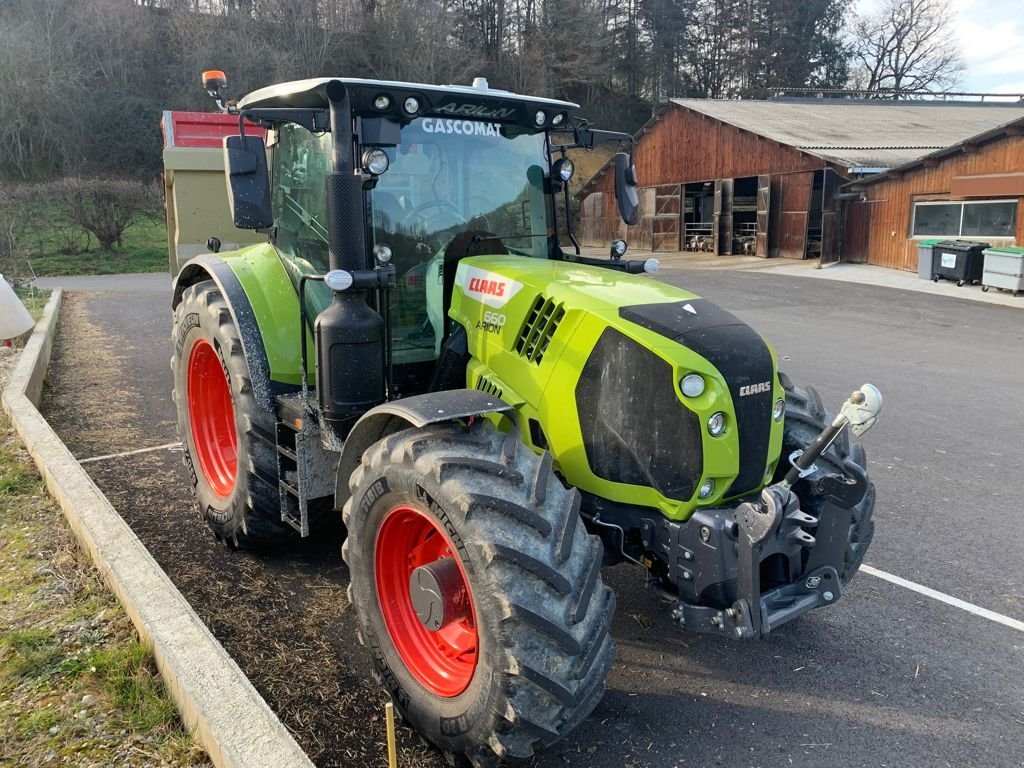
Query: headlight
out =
(557, 119)
(706, 488)
(779, 410)
(716, 424)
(411, 105)
(382, 253)
(692, 385)
(375, 161)
(539, 118)
(564, 168)
(382, 102)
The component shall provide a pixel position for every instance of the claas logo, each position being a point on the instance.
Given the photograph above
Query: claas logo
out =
(486, 287)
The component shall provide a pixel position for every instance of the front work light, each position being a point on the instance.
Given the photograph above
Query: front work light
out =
(564, 168)
(375, 161)
(411, 105)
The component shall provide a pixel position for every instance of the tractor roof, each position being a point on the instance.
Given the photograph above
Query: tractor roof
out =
(476, 101)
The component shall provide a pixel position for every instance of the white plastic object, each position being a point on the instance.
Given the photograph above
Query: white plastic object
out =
(14, 318)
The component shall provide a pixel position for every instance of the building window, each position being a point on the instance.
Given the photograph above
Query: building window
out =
(983, 218)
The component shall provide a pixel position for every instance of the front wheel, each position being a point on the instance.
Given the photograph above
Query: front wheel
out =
(478, 590)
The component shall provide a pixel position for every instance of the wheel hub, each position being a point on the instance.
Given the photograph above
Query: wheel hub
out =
(439, 594)
(426, 601)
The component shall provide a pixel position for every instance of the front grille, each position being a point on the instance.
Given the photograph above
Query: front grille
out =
(634, 428)
(540, 326)
(743, 359)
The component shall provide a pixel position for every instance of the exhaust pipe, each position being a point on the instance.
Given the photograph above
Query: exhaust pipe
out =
(349, 333)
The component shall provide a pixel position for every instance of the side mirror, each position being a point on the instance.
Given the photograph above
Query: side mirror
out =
(245, 168)
(625, 188)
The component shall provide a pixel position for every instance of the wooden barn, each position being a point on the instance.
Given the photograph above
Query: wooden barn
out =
(973, 190)
(767, 177)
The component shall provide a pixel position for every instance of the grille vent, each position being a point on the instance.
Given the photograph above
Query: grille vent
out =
(486, 385)
(540, 326)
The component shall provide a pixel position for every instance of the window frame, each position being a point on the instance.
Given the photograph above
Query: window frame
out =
(963, 203)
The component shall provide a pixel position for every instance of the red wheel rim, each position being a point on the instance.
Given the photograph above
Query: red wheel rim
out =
(212, 416)
(443, 661)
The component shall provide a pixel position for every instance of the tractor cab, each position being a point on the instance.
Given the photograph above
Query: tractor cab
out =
(435, 173)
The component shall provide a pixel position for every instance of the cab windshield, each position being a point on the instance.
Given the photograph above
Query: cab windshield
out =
(449, 177)
(446, 177)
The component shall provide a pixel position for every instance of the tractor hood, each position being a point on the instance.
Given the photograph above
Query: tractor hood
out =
(599, 356)
(577, 286)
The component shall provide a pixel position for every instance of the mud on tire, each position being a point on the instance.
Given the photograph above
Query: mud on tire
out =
(805, 418)
(246, 511)
(541, 610)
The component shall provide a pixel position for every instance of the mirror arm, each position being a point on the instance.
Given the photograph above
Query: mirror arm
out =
(313, 120)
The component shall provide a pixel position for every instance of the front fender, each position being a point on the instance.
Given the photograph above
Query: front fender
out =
(416, 411)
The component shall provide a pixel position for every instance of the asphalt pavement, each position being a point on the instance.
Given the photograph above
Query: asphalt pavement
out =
(887, 677)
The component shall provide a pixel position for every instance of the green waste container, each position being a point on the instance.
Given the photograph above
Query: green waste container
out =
(924, 258)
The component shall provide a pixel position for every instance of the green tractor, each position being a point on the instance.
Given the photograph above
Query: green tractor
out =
(495, 418)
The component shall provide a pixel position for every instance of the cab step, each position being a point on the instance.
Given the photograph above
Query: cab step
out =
(306, 470)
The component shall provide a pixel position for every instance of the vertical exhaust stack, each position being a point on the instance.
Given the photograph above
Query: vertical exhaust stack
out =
(349, 333)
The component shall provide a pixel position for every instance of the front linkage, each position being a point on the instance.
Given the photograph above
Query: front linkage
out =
(806, 570)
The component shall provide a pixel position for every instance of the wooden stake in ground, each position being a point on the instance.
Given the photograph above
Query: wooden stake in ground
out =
(389, 713)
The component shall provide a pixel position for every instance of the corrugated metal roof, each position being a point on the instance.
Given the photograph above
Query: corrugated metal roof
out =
(875, 134)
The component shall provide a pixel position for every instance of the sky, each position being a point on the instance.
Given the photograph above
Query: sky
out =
(991, 33)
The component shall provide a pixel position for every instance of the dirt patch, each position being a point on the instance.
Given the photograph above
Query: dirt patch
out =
(282, 615)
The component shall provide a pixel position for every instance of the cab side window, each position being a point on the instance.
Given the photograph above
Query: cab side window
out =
(300, 165)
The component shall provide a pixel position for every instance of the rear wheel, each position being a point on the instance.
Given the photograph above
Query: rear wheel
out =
(229, 445)
(806, 417)
(478, 590)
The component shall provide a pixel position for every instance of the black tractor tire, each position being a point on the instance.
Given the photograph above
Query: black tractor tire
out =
(541, 612)
(806, 417)
(247, 511)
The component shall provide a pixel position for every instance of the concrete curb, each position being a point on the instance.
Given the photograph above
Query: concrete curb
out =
(216, 700)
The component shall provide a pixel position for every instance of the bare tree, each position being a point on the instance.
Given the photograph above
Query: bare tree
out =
(105, 207)
(907, 46)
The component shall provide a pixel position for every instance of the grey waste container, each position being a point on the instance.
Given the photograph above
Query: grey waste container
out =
(924, 258)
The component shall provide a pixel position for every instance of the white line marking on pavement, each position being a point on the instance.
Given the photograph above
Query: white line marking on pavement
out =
(131, 453)
(984, 613)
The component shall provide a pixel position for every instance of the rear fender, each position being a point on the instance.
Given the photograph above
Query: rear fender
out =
(265, 307)
(416, 411)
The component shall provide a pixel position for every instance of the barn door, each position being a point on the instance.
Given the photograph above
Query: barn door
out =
(668, 217)
(793, 214)
(764, 194)
(831, 218)
(722, 227)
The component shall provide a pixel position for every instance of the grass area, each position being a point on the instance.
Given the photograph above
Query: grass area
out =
(144, 250)
(76, 686)
(34, 299)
